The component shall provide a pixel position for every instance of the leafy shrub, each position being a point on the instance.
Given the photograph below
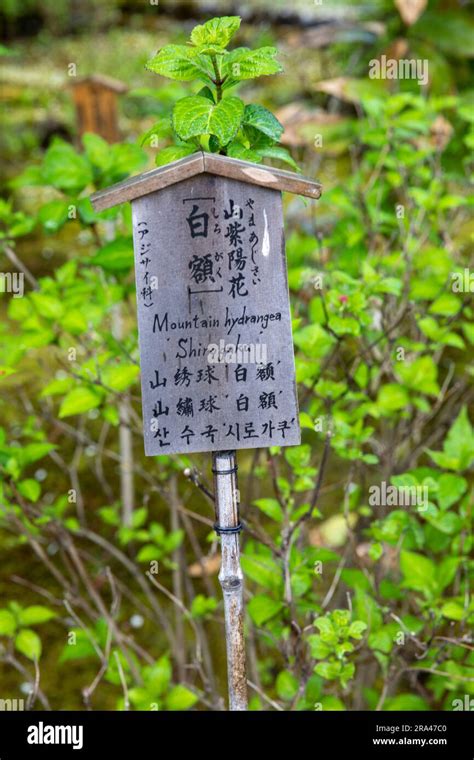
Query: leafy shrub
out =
(212, 120)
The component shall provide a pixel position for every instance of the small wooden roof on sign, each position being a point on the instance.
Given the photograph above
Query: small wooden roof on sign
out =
(203, 163)
(100, 80)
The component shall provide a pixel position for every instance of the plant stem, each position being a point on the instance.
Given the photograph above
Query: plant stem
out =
(218, 81)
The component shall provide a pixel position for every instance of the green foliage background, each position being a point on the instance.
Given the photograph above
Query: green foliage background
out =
(351, 605)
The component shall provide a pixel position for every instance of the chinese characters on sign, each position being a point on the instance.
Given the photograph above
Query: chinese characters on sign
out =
(213, 312)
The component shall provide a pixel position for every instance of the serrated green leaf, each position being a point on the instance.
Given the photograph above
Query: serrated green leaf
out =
(243, 63)
(226, 119)
(206, 92)
(279, 154)
(263, 120)
(237, 150)
(159, 130)
(195, 115)
(180, 62)
(217, 31)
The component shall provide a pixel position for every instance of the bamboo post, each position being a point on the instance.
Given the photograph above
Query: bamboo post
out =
(228, 526)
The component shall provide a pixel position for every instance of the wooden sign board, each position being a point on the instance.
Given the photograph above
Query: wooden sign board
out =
(95, 98)
(217, 365)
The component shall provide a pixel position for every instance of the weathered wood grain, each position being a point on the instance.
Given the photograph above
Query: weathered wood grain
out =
(224, 286)
(210, 163)
(258, 174)
(148, 182)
